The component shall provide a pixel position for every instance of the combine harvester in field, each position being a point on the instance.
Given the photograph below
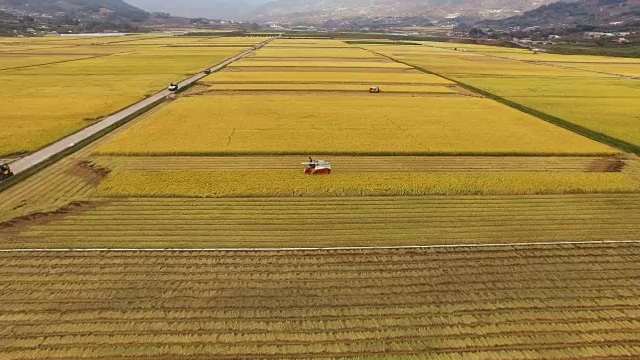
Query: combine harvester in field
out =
(317, 167)
(5, 172)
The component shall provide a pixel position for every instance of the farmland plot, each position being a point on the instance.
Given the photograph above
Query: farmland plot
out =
(510, 303)
(325, 77)
(63, 98)
(289, 183)
(280, 124)
(599, 102)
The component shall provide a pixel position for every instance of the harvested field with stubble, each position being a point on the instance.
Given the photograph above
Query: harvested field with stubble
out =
(512, 303)
(340, 221)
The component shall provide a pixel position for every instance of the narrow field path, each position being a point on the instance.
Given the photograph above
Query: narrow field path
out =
(70, 142)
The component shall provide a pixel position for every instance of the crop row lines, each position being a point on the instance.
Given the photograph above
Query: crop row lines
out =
(313, 322)
(566, 252)
(442, 311)
(55, 273)
(394, 346)
(488, 299)
(514, 264)
(436, 331)
(456, 341)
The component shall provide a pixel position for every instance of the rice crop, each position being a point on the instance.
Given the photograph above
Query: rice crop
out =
(598, 102)
(333, 87)
(369, 78)
(516, 303)
(13, 61)
(348, 53)
(612, 68)
(328, 64)
(45, 103)
(346, 221)
(276, 183)
(334, 124)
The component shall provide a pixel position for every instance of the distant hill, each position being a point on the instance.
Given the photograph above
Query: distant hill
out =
(213, 9)
(320, 10)
(113, 9)
(581, 12)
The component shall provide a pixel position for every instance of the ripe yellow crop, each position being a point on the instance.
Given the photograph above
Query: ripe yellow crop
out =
(347, 53)
(369, 78)
(338, 124)
(44, 103)
(293, 183)
(431, 89)
(602, 103)
(323, 64)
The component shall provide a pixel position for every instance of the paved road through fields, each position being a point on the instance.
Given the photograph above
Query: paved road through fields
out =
(70, 141)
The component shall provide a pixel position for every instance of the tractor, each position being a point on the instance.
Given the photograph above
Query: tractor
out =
(374, 90)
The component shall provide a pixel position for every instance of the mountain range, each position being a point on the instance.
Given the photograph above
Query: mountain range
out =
(511, 12)
(580, 12)
(322, 10)
(115, 9)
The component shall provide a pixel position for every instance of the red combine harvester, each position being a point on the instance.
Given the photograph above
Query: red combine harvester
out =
(317, 167)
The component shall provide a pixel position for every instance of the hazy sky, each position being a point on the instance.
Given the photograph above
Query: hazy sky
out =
(228, 9)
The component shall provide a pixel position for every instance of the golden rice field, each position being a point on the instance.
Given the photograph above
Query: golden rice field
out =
(577, 302)
(333, 124)
(370, 78)
(329, 64)
(369, 164)
(290, 183)
(65, 97)
(601, 103)
(346, 53)
(427, 89)
(309, 43)
(11, 61)
(621, 69)
(219, 168)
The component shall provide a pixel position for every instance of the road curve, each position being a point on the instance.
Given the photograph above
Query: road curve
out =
(41, 156)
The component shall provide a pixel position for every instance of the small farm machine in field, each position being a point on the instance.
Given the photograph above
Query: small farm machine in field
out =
(317, 167)
(5, 172)
(374, 89)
